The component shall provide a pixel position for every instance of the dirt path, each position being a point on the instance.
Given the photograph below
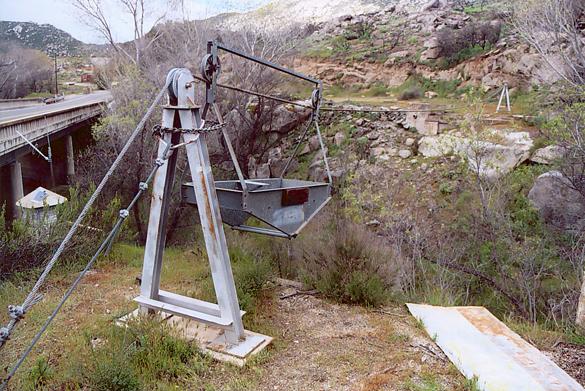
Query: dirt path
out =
(327, 346)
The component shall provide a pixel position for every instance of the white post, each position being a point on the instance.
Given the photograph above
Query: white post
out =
(501, 99)
(508, 98)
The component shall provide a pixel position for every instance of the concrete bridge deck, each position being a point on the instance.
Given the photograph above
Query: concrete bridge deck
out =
(37, 122)
(57, 121)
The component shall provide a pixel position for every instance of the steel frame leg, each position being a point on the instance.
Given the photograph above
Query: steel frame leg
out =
(214, 235)
(156, 236)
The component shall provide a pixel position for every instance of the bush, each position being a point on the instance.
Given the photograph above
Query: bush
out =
(40, 374)
(113, 375)
(27, 244)
(411, 93)
(473, 39)
(344, 262)
(251, 273)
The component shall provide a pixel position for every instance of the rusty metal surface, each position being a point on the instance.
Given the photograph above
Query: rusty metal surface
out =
(481, 346)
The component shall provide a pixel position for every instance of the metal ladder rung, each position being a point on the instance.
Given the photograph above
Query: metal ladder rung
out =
(176, 310)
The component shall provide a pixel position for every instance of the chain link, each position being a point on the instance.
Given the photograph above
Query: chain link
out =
(159, 131)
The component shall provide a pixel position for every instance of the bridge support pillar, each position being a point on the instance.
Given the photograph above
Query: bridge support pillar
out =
(16, 184)
(70, 158)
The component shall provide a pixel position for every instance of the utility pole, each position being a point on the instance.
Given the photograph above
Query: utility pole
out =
(56, 81)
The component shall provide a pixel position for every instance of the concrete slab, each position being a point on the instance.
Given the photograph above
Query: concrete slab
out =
(483, 347)
(211, 340)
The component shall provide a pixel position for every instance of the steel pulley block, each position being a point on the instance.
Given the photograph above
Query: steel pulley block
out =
(208, 68)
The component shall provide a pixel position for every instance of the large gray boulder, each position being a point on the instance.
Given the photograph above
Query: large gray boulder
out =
(492, 157)
(557, 202)
(548, 155)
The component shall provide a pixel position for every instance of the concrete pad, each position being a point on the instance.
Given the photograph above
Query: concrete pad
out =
(210, 339)
(483, 347)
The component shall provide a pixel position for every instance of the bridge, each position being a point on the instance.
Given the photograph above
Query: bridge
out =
(39, 125)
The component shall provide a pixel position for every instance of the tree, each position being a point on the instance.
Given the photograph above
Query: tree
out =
(554, 29)
(140, 13)
(23, 71)
(183, 44)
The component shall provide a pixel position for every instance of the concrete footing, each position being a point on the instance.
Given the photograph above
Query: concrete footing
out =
(211, 340)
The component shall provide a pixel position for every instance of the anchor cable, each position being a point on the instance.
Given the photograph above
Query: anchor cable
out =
(124, 213)
(17, 312)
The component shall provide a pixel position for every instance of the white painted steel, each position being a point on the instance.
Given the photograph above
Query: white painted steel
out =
(228, 311)
(481, 346)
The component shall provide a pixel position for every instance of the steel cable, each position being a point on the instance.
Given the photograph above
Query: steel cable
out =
(124, 213)
(5, 332)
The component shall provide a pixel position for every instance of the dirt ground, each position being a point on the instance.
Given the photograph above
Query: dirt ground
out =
(336, 347)
(318, 345)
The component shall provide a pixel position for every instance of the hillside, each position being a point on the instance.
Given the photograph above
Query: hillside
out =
(44, 37)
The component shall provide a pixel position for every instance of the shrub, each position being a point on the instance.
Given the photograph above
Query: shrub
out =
(345, 262)
(113, 375)
(364, 288)
(462, 44)
(144, 353)
(377, 90)
(27, 244)
(251, 273)
(411, 93)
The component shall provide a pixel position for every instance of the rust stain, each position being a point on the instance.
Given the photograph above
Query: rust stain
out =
(488, 324)
(524, 353)
(207, 206)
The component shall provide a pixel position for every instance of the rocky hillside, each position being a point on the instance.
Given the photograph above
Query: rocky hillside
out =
(44, 37)
(435, 40)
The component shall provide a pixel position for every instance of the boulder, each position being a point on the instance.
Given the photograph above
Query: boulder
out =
(430, 5)
(557, 202)
(491, 159)
(548, 155)
(405, 153)
(431, 94)
(443, 145)
(409, 142)
(494, 159)
(314, 144)
(252, 167)
(263, 171)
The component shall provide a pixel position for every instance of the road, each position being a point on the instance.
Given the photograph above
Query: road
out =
(70, 101)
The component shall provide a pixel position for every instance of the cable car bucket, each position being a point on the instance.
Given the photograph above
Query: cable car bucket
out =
(285, 205)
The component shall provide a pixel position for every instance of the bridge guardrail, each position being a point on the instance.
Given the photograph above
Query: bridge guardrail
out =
(38, 126)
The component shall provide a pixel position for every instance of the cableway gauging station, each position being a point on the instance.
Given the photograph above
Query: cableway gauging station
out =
(285, 205)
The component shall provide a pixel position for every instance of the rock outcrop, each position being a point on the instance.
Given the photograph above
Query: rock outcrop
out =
(558, 203)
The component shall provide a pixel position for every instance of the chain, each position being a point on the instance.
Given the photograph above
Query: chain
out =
(159, 131)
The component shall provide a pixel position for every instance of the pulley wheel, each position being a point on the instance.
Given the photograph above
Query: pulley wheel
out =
(315, 98)
(207, 68)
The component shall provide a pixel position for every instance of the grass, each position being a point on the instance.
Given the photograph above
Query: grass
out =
(144, 356)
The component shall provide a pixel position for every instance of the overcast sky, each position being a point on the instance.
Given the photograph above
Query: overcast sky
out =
(63, 15)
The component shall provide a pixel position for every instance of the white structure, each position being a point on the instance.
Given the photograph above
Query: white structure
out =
(39, 205)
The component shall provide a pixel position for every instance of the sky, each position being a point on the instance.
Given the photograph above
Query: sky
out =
(62, 14)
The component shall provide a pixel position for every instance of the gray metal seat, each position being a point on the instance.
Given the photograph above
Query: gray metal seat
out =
(286, 205)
